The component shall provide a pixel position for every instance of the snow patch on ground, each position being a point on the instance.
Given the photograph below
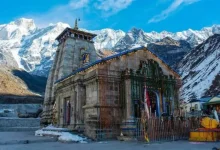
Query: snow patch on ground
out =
(51, 127)
(6, 110)
(62, 136)
(68, 137)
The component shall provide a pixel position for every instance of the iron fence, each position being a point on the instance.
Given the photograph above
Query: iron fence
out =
(165, 128)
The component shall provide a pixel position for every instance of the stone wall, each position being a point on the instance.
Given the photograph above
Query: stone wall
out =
(17, 110)
(74, 90)
(19, 124)
(91, 114)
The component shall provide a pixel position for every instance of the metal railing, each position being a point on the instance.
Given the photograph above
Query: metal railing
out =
(165, 128)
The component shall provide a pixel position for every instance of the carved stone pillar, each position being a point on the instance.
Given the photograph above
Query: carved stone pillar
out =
(80, 98)
(128, 101)
(128, 124)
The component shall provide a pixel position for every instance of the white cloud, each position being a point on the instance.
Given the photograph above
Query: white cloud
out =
(174, 6)
(112, 6)
(65, 13)
(79, 9)
(76, 4)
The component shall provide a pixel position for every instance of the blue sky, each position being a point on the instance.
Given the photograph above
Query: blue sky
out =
(149, 15)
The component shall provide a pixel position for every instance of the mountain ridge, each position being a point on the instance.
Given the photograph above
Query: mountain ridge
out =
(33, 48)
(26, 46)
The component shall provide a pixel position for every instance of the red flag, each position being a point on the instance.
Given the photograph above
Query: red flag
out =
(147, 98)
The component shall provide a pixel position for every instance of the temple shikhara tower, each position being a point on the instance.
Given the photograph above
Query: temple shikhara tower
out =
(102, 97)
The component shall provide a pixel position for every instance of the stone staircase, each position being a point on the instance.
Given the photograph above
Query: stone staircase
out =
(19, 124)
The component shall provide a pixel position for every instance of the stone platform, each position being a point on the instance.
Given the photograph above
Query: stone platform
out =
(19, 124)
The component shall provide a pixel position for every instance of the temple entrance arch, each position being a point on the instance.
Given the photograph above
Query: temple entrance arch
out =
(149, 80)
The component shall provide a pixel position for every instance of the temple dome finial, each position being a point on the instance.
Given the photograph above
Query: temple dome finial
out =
(76, 24)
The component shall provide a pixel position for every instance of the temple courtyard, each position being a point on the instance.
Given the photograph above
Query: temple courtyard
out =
(16, 141)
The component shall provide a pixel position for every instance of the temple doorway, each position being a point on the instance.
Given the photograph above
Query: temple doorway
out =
(153, 103)
(67, 111)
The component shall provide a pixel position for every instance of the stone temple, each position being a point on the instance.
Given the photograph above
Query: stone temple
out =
(101, 96)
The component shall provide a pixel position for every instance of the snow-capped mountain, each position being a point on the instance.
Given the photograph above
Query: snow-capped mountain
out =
(10, 39)
(134, 37)
(200, 70)
(39, 48)
(107, 38)
(33, 48)
(139, 37)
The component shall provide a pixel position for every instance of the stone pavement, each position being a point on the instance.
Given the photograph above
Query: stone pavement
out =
(27, 141)
(112, 145)
(8, 138)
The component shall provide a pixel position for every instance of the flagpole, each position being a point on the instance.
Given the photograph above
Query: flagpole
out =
(145, 102)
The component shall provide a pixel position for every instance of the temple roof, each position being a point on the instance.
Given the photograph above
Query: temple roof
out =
(112, 57)
(75, 31)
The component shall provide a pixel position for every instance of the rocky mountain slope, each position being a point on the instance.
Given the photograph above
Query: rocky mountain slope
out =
(9, 83)
(200, 70)
(33, 48)
(14, 81)
(20, 92)
(171, 51)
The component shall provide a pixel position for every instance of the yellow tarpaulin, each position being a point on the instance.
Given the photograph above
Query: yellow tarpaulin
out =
(209, 123)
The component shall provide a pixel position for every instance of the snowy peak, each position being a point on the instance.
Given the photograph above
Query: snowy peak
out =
(25, 23)
(200, 67)
(17, 29)
(216, 29)
(107, 38)
(39, 48)
(135, 31)
(137, 37)
(194, 37)
(134, 37)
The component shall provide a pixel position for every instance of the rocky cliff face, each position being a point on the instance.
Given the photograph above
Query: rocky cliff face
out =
(171, 51)
(200, 70)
